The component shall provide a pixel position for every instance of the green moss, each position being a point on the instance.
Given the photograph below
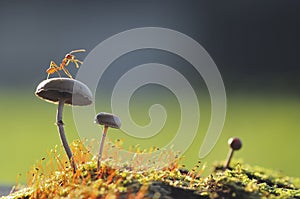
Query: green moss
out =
(245, 181)
(55, 179)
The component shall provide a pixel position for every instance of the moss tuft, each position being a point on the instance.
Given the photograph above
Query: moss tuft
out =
(55, 179)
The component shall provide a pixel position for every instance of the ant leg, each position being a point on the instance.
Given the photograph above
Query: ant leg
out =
(76, 64)
(52, 69)
(67, 63)
(58, 73)
(54, 65)
(76, 61)
(67, 73)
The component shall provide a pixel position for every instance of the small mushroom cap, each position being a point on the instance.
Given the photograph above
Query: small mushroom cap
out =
(108, 119)
(72, 91)
(235, 143)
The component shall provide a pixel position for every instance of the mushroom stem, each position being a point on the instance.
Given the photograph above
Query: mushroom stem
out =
(230, 154)
(235, 144)
(101, 147)
(60, 125)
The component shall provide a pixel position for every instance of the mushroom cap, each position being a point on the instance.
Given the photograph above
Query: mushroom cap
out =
(108, 119)
(235, 143)
(73, 91)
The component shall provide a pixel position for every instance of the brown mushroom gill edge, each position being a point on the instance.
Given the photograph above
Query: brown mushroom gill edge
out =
(64, 91)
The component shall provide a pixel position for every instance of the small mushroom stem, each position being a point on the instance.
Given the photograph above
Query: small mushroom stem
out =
(60, 125)
(101, 147)
(229, 157)
(235, 144)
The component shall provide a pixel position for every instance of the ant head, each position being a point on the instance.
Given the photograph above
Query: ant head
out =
(69, 56)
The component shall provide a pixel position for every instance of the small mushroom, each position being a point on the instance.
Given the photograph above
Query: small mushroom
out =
(64, 91)
(235, 144)
(108, 120)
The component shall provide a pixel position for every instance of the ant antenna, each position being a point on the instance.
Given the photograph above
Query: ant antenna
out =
(77, 51)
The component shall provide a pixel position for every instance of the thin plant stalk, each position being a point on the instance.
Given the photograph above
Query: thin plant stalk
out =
(228, 160)
(60, 126)
(101, 147)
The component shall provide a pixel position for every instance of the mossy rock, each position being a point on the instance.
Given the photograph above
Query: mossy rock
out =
(238, 181)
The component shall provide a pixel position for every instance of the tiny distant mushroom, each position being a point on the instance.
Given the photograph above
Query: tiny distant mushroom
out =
(108, 120)
(235, 144)
(64, 91)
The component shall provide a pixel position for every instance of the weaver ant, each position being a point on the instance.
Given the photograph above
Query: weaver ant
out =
(65, 62)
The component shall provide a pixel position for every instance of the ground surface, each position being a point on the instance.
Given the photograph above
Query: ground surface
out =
(52, 177)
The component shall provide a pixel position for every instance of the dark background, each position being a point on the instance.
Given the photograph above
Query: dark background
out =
(254, 43)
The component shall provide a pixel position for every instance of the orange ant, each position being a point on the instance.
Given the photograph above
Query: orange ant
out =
(65, 62)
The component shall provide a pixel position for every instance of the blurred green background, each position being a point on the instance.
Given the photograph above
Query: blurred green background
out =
(266, 123)
(254, 44)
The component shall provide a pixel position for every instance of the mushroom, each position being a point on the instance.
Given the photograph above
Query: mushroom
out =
(108, 120)
(64, 91)
(235, 144)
